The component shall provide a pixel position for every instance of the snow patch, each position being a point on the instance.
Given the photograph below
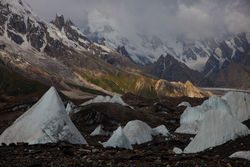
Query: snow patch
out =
(45, 122)
(231, 44)
(241, 49)
(104, 48)
(118, 139)
(218, 52)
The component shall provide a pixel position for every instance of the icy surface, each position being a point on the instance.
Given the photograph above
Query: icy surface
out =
(118, 139)
(99, 131)
(239, 103)
(177, 150)
(69, 107)
(241, 154)
(106, 99)
(162, 130)
(118, 99)
(46, 122)
(193, 116)
(218, 127)
(186, 104)
(138, 132)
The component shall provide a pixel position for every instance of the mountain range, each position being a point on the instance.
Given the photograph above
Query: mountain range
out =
(59, 54)
(198, 60)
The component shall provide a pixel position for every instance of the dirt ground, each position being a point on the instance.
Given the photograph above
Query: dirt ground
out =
(159, 152)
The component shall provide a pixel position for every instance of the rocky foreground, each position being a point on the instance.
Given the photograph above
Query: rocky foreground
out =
(159, 152)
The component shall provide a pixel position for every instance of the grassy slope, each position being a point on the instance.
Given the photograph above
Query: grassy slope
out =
(122, 82)
(13, 84)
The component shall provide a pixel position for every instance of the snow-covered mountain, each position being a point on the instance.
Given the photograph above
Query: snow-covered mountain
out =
(232, 50)
(167, 67)
(146, 49)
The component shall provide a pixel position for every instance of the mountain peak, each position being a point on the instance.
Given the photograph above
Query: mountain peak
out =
(59, 21)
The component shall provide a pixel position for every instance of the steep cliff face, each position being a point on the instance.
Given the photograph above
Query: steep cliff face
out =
(234, 50)
(178, 89)
(233, 76)
(167, 67)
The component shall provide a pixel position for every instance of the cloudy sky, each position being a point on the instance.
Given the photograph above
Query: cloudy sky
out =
(189, 18)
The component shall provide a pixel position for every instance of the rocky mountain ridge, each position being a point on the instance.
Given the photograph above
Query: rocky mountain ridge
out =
(167, 67)
(233, 50)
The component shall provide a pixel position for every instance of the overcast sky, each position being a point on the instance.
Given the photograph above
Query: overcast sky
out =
(190, 18)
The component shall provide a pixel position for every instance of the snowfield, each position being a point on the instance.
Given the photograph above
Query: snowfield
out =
(45, 122)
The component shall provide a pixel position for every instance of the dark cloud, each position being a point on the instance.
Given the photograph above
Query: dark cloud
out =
(189, 18)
